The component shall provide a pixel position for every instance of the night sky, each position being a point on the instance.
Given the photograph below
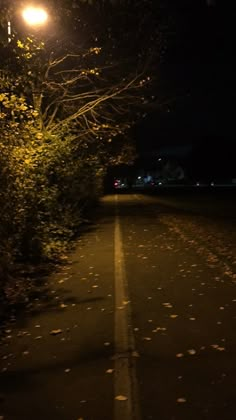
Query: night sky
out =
(193, 116)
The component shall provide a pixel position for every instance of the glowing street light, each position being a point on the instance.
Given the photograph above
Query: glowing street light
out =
(35, 16)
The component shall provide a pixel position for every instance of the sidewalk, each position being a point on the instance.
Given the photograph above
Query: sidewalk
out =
(56, 360)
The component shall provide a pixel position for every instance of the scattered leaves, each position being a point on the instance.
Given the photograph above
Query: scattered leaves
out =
(121, 398)
(181, 400)
(191, 352)
(56, 332)
(109, 370)
(179, 355)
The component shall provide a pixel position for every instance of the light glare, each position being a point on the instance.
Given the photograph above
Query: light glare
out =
(35, 16)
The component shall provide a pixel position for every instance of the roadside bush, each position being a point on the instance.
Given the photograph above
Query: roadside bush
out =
(45, 186)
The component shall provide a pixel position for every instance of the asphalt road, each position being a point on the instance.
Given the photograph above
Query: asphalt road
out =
(138, 324)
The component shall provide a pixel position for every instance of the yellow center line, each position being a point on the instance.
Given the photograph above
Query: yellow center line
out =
(125, 387)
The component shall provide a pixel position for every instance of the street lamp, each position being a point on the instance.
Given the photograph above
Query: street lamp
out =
(35, 16)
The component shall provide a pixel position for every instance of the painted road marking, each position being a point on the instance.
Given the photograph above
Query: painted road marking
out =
(125, 385)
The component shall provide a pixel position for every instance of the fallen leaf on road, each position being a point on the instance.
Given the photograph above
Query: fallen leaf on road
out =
(107, 343)
(109, 370)
(38, 337)
(22, 333)
(67, 370)
(126, 302)
(181, 400)
(62, 305)
(121, 398)
(191, 351)
(147, 338)
(135, 354)
(158, 329)
(173, 316)
(55, 332)
(179, 355)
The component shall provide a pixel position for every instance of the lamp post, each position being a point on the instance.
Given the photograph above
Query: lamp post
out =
(35, 17)
(8, 31)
